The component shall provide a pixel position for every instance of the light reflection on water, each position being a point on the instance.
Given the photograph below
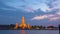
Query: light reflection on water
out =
(22, 32)
(29, 31)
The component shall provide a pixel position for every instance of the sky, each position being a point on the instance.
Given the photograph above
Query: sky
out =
(35, 12)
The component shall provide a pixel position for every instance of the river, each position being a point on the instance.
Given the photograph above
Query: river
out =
(29, 31)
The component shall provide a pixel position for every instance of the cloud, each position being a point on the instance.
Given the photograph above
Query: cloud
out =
(33, 5)
(39, 17)
(58, 13)
(42, 17)
(9, 9)
(54, 18)
(50, 17)
(55, 5)
(29, 9)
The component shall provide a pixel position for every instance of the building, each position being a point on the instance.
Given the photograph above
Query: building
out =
(22, 25)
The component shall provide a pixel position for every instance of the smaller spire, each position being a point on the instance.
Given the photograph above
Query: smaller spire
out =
(29, 26)
(16, 26)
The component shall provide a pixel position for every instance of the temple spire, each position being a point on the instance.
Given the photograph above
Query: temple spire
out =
(22, 20)
(23, 25)
(29, 26)
(16, 26)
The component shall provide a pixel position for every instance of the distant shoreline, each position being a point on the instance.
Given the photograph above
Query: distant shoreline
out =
(11, 27)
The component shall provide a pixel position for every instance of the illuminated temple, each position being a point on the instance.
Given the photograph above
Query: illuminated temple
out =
(22, 25)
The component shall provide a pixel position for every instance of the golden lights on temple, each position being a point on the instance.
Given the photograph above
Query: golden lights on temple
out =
(22, 25)
(16, 26)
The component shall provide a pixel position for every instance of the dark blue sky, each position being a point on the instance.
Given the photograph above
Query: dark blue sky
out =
(36, 12)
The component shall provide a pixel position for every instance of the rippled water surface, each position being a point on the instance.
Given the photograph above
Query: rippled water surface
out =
(29, 31)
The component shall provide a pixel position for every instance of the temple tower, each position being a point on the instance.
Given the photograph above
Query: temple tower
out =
(22, 24)
(29, 26)
(16, 26)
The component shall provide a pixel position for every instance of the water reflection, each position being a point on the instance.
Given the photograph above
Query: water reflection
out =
(29, 31)
(22, 32)
(38, 32)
